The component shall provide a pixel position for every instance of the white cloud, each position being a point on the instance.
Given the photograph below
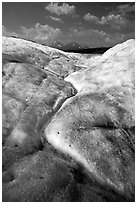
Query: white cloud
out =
(115, 21)
(115, 38)
(4, 31)
(56, 19)
(91, 18)
(60, 10)
(44, 34)
(94, 37)
(121, 17)
(41, 33)
(7, 33)
(90, 37)
(89, 32)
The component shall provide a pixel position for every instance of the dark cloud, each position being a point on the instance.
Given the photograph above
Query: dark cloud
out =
(126, 9)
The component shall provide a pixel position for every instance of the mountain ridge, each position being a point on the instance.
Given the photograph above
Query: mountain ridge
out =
(78, 48)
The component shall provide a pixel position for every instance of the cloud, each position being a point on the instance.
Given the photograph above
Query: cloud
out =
(91, 18)
(107, 38)
(87, 32)
(7, 33)
(65, 9)
(41, 33)
(122, 17)
(115, 21)
(95, 37)
(127, 11)
(126, 8)
(83, 36)
(114, 38)
(44, 34)
(127, 14)
(56, 19)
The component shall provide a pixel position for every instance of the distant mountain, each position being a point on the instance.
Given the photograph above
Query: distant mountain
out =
(97, 50)
(57, 44)
(78, 48)
(74, 46)
(69, 46)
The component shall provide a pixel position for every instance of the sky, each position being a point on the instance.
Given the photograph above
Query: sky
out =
(96, 24)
